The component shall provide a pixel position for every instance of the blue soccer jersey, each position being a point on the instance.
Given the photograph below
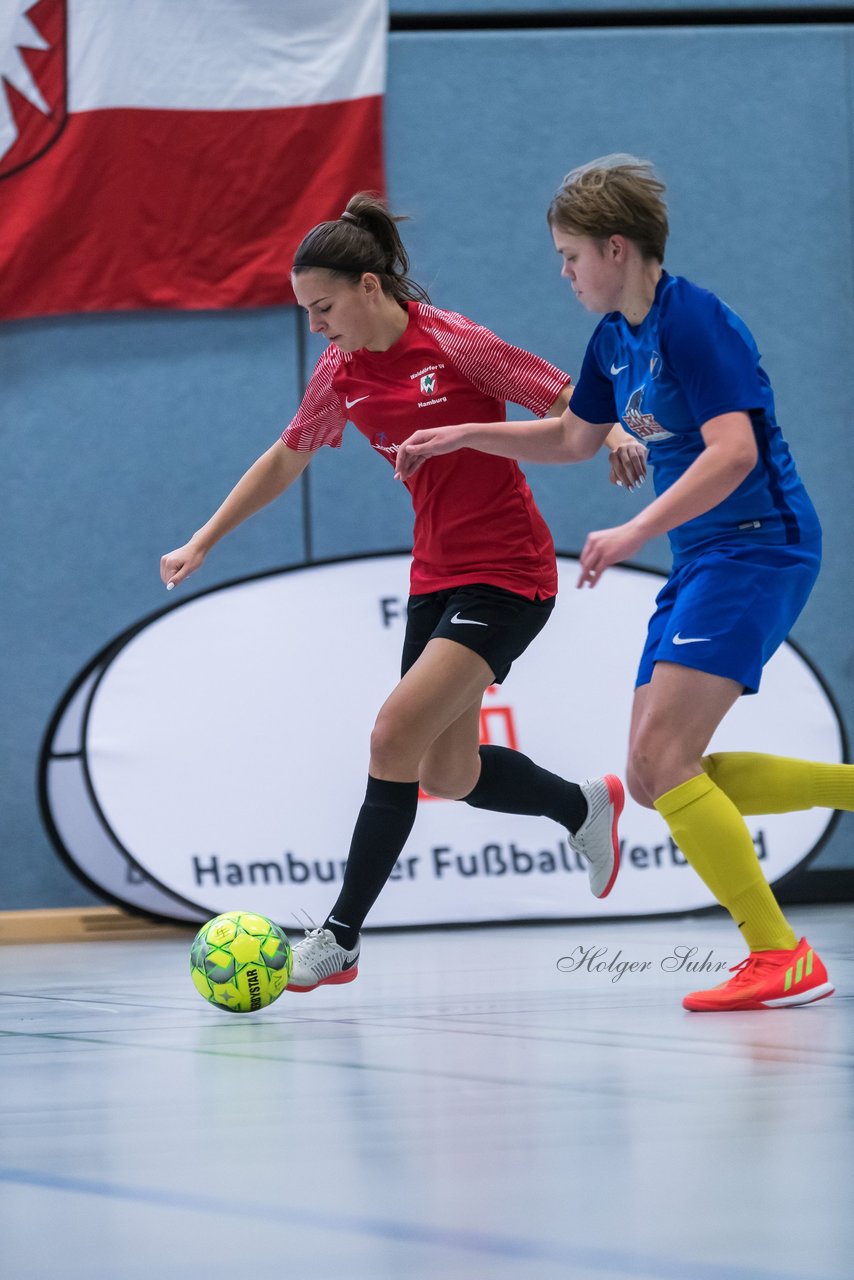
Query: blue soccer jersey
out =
(689, 360)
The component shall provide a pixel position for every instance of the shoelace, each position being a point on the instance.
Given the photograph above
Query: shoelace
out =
(315, 943)
(318, 953)
(747, 969)
(306, 923)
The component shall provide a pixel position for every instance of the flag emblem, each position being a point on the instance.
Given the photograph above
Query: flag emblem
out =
(33, 94)
(153, 152)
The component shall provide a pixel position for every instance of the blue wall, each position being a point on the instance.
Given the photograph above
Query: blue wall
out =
(120, 434)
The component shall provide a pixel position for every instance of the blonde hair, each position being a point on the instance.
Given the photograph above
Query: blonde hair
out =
(616, 195)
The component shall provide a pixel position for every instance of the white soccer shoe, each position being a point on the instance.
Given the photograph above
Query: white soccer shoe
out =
(318, 959)
(596, 839)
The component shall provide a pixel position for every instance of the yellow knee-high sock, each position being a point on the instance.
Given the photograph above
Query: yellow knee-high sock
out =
(711, 833)
(778, 784)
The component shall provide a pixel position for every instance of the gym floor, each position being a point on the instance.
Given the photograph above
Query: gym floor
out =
(492, 1103)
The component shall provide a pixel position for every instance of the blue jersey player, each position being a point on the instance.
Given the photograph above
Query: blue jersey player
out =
(682, 371)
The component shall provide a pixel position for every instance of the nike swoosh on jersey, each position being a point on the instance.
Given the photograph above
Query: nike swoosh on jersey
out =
(349, 403)
(615, 370)
(469, 622)
(677, 639)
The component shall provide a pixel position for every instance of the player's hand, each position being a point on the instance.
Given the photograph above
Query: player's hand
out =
(178, 565)
(628, 464)
(426, 444)
(606, 547)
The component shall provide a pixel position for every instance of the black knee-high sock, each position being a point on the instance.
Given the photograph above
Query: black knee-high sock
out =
(382, 829)
(511, 783)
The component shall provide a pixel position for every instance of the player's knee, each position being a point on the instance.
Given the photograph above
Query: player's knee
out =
(439, 788)
(388, 741)
(637, 791)
(648, 768)
(396, 745)
(711, 766)
(447, 783)
(658, 763)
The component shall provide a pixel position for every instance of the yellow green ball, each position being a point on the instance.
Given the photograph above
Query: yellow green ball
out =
(240, 961)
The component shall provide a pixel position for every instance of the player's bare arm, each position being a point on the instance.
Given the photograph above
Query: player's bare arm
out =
(626, 455)
(267, 478)
(553, 439)
(728, 458)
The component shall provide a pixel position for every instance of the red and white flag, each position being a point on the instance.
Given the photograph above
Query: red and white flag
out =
(172, 153)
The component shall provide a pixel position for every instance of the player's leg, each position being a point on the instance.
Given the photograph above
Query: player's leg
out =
(457, 643)
(659, 625)
(450, 767)
(718, 620)
(681, 711)
(429, 729)
(508, 781)
(771, 585)
(500, 625)
(458, 767)
(676, 715)
(446, 683)
(635, 787)
(441, 686)
(758, 783)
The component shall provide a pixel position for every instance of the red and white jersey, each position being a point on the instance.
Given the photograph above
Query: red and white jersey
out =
(475, 517)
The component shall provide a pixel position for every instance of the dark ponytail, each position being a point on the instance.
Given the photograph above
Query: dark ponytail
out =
(364, 238)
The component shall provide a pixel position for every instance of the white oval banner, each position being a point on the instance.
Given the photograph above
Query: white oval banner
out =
(221, 752)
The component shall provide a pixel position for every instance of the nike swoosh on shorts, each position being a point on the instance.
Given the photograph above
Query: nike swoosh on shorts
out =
(469, 622)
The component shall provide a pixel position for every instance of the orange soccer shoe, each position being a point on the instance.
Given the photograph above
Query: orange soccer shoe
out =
(767, 980)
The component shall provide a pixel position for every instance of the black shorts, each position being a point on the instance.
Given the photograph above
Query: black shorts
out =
(497, 624)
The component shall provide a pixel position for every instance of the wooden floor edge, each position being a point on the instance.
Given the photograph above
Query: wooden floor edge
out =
(83, 924)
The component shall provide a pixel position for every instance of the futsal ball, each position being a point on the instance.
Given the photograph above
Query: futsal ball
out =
(240, 961)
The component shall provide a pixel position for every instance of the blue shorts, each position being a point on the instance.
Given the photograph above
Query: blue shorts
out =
(728, 610)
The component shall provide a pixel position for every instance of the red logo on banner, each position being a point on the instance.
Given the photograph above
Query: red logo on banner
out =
(497, 729)
(498, 725)
(33, 81)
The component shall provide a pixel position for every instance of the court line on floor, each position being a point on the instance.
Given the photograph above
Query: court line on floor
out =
(107, 1040)
(53, 999)
(605, 1038)
(632, 1265)
(457, 1077)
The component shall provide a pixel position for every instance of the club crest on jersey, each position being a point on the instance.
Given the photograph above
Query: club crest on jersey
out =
(654, 365)
(428, 384)
(644, 425)
(33, 86)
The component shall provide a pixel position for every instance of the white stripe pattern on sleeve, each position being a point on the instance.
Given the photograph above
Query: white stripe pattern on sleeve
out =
(492, 365)
(320, 419)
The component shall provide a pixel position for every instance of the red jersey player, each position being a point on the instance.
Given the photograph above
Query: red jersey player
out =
(483, 578)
